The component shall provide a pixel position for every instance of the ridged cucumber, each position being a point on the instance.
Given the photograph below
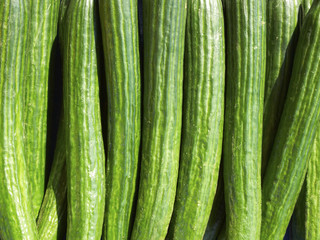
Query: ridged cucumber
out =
(164, 35)
(288, 162)
(42, 31)
(202, 119)
(16, 216)
(245, 74)
(312, 204)
(53, 212)
(85, 150)
(119, 22)
(282, 36)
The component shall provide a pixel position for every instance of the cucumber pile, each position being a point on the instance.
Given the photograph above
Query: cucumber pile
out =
(160, 119)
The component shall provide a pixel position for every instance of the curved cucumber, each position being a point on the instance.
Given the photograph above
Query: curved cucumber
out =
(164, 33)
(122, 64)
(245, 74)
(282, 36)
(41, 34)
(202, 119)
(16, 219)
(85, 150)
(53, 210)
(288, 162)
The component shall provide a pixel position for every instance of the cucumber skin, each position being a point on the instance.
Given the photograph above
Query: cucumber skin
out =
(16, 216)
(42, 31)
(202, 119)
(282, 36)
(245, 76)
(312, 204)
(288, 163)
(164, 33)
(122, 64)
(85, 150)
(53, 212)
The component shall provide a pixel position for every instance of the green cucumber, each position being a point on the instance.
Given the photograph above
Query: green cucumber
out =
(282, 36)
(41, 34)
(218, 214)
(288, 162)
(16, 216)
(202, 119)
(122, 65)
(164, 33)
(53, 211)
(246, 53)
(84, 144)
(305, 219)
(312, 204)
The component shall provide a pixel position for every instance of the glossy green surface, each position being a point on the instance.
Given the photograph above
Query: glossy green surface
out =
(164, 35)
(282, 35)
(288, 162)
(245, 74)
(85, 150)
(53, 212)
(16, 217)
(122, 65)
(42, 30)
(202, 119)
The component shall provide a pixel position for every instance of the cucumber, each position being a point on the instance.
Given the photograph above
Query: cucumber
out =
(282, 36)
(53, 212)
(312, 203)
(164, 33)
(218, 214)
(202, 119)
(122, 65)
(245, 75)
(288, 162)
(16, 216)
(42, 31)
(85, 159)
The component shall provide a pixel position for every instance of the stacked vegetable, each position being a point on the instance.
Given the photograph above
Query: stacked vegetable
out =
(163, 119)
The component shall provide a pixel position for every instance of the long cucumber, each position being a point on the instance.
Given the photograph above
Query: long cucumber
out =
(42, 31)
(164, 33)
(288, 162)
(282, 36)
(245, 74)
(84, 144)
(119, 21)
(202, 119)
(312, 214)
(16, 216)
